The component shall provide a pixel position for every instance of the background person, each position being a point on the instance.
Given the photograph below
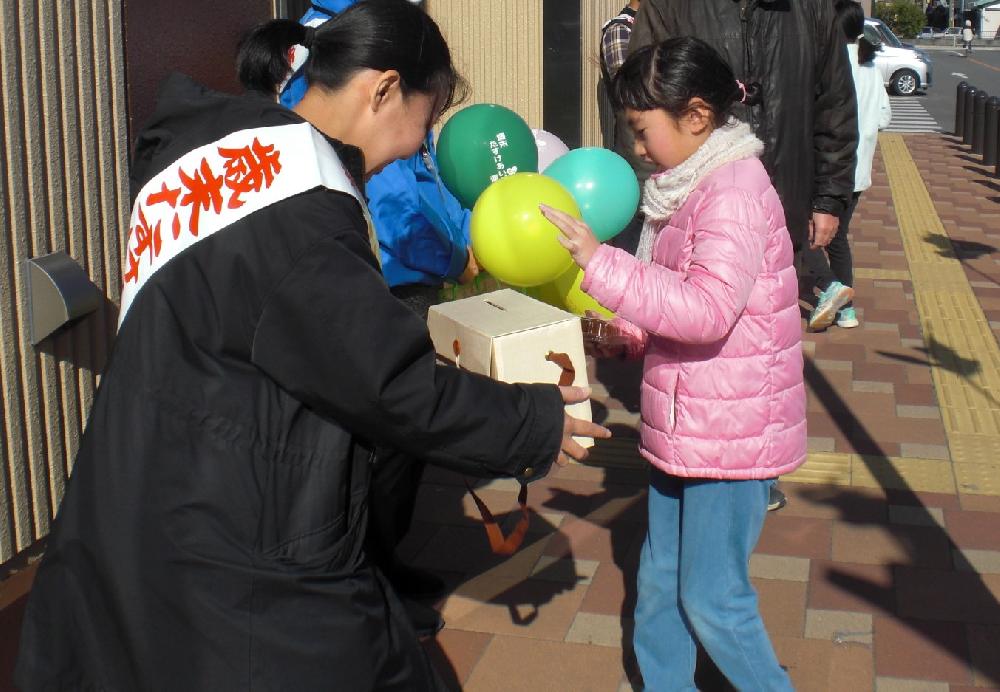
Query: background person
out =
(834, 269)
(615, 36)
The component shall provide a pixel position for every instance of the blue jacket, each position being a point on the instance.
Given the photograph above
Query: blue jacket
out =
(423, 230)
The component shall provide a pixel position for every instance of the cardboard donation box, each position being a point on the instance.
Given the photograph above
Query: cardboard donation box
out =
(513, 338)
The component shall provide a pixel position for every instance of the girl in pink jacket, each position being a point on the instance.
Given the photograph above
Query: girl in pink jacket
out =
(710, 301)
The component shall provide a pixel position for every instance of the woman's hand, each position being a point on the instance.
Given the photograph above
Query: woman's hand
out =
(471, 269)
(576, 235)
(571, 449)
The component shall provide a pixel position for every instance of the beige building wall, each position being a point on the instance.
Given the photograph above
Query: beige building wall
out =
(63, 187)
(497, 46)
(594, 13)
(502, 59)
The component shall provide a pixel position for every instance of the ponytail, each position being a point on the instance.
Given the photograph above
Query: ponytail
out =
(851, 18)
(384, 35)
(866, 51)
(262, 55)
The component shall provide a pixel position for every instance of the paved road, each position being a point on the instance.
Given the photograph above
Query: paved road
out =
(982, 70)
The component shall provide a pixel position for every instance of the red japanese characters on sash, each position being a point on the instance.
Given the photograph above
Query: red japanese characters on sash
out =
(218, 184)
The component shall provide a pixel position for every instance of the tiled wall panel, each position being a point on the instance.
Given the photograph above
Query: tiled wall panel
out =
(62, 187)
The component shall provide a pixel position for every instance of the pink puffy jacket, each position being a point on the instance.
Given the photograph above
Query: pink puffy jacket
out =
(716, 314)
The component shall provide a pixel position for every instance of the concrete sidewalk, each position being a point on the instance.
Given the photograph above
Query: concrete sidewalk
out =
(883, 572)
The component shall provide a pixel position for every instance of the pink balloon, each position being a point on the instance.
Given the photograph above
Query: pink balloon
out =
(549, 146)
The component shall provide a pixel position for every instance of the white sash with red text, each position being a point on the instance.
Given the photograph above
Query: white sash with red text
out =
(218, 184)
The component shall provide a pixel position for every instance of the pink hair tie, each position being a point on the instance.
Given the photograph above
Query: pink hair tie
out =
(743, 90)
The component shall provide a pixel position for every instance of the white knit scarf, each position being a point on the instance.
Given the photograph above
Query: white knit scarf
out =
(665, 192)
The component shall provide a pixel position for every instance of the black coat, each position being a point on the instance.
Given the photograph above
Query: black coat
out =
(211, 537)
(807, 115)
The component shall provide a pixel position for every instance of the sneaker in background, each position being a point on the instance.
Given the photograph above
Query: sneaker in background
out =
(847, 318)
(836, 296)
(776, 499)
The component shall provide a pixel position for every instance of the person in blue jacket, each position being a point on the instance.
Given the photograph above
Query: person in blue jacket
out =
(423, 235)
(423, 231)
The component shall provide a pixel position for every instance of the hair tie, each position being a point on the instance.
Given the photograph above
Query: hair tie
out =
(308, 37)
(743, 90)
(860, 36)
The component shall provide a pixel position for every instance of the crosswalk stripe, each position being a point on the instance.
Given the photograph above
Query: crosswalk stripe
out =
(909, 115)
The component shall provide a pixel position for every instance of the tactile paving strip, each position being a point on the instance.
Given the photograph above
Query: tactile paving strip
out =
(836, 468)
(965, 357)
(922, 475)
(980, 479)
(881, 274)
(824, 467)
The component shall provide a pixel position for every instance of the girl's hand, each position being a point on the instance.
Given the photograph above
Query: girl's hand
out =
(576, 235)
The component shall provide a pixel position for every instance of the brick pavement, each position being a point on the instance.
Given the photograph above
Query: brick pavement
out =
(882, 573)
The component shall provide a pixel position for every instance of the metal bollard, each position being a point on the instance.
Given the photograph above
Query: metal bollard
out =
(970, 97)
(979, 121)
(991, 138)
(960, 108)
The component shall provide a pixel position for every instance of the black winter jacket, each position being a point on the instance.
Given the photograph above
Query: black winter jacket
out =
(211, 537)
(807, 115)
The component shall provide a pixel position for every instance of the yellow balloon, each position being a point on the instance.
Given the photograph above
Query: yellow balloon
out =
(547, 293)
(567, 286)
(511, 238)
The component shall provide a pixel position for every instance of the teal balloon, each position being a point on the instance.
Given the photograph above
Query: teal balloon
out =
(481, 144)
(603, 185)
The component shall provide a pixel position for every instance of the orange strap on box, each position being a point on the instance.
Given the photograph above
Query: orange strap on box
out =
(568, 374)
(500, 544)
(508, 545)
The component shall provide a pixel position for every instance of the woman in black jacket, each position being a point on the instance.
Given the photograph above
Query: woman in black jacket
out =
(212, 533)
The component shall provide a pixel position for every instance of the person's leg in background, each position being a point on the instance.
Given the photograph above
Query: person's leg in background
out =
(842, 262)
(833, 294)
(720, 524)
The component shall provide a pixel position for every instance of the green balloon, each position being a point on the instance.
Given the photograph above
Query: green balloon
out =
(481, 144)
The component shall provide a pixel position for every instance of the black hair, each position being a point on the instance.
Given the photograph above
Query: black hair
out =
(668, 75)
(851, 18)
(373, 34)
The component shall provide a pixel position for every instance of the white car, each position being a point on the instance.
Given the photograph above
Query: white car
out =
(905, 69)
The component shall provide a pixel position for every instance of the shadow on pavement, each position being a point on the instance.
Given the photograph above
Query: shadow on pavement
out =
(959, 249)
(943, 356)
(885, 598)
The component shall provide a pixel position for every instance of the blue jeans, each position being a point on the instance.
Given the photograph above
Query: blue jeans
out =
(694, 585)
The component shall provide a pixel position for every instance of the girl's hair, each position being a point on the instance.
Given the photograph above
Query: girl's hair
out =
(668, 75)
(373, 34)
(851, 18)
